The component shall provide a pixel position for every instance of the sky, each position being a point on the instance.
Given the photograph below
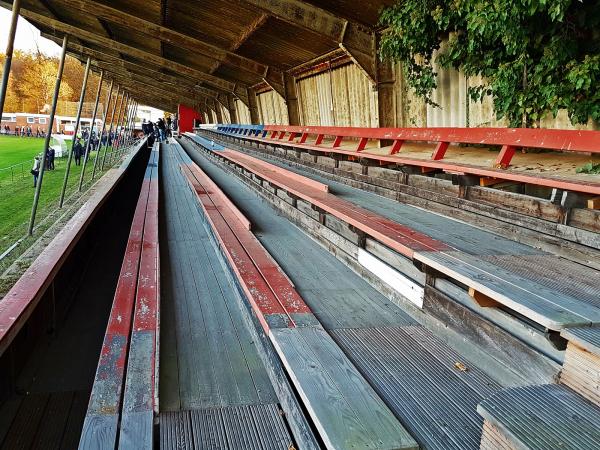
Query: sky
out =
(27, 37)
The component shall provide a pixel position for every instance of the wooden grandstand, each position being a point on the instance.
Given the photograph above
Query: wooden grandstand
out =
(301, 285)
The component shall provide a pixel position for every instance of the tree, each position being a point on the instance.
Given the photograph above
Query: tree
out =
(536, 55)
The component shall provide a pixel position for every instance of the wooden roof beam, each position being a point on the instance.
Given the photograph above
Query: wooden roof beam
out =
(113, 45)
(170, 36)
(357, 40)
(148, 81)
(78, 49)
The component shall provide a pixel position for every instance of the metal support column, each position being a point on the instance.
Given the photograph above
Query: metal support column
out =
(101, 133)
(121, 124)
(117, 138)
(132, 129)
(77, 122)
(38, 187)
(86, 151)
(112, 121)
(130, 120)
(124, 125)
(9, 52)
(115, 121)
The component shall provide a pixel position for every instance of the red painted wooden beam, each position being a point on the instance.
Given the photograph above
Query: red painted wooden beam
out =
(401, 238)
(592, 144)
(268, 288)
(505, 156)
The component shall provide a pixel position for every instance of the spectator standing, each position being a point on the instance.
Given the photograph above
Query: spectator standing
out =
(35, 170)
(51, 154)
(77, 152)
(161, 129)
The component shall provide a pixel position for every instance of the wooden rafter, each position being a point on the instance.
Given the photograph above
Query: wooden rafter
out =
(167, 35)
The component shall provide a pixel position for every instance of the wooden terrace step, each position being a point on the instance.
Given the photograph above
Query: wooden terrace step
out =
(498, 279)
(344, 407)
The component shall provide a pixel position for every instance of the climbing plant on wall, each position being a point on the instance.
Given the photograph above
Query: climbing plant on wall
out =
(537, 56)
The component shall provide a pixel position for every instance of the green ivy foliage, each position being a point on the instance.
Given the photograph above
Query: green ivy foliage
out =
(538, 56)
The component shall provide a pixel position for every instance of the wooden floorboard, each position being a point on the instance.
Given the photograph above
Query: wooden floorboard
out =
(419, 377)
(216, 362)
(562, 282)
(50, 421)
(258, 427)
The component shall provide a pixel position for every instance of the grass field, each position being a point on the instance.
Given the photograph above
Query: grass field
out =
(16, 191)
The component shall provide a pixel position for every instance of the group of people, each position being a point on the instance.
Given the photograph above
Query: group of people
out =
(81, 144)
(161, 130)
(24, 131)
(35, 170)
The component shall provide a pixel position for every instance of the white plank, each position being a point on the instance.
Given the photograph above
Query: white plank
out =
(400, 283)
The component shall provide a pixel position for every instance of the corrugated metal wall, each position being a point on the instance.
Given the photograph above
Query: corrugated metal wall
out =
(344, 97)
(458, 110)
(272, 108)
(224, 113)
(338, 97)
(243, 112)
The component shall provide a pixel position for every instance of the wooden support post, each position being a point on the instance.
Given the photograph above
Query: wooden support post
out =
(291, 99)
(232, 110)
(218, 112)
(386, 98)
(253, 106)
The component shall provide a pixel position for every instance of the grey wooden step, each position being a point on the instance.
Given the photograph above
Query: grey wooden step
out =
(227, 428)
(346, 410)
(550, 416)
(432, 389)
(585, 337)
(523, 289)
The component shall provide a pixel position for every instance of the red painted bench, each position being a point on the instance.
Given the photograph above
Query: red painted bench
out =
(297, 335)
(273, 297)
(489, 284)
(402, 239)
(124, 385)
(508, 139)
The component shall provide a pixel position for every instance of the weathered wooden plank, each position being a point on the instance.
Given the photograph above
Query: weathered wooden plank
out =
(581, 372)
(218, 363)
(545, 306)
(335, 394)
(543, 417)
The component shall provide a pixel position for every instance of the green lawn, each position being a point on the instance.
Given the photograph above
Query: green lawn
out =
(16, 192)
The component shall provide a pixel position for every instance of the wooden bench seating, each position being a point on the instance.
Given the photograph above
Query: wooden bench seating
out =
(542, 417)
(124, 385)
(494, 280)
(508, 140)
(344, 407)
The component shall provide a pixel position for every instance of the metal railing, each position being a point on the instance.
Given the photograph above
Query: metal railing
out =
(16, 172)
